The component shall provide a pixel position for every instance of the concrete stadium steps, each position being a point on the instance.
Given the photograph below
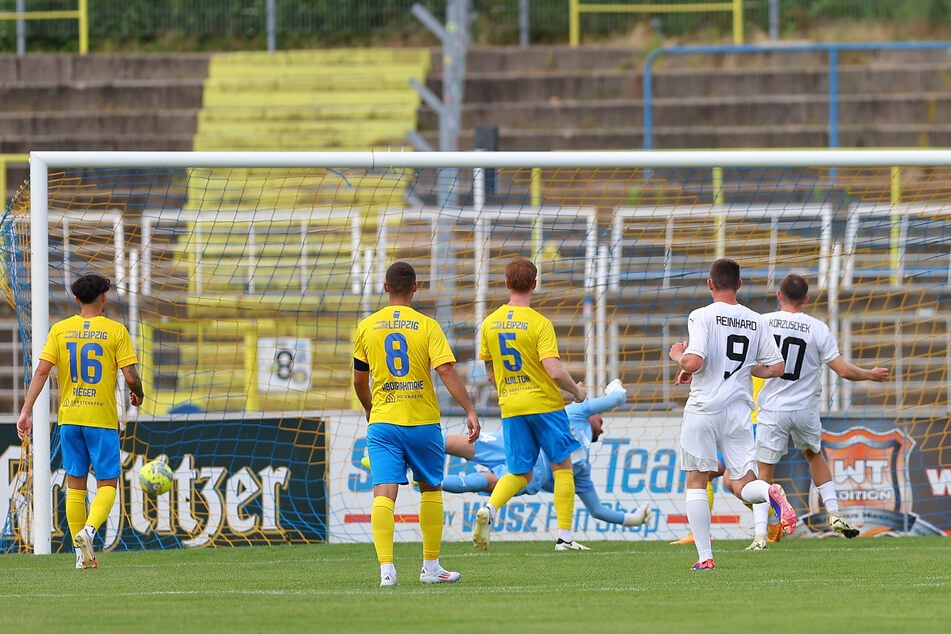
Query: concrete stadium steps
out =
(71, 68)
(370, 110)
(550, 98)
(104, 95)
(260, 188)
(31, 125)
(337, 99)
(99, 101)
(753, 111)
(317, 83)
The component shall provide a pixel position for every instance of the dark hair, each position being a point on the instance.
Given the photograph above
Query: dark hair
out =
(520, 274)
(725, 275)
(400, 277)
(89, 287)
(794, 288)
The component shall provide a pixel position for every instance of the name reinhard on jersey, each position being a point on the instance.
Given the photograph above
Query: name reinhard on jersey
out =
(731, 339)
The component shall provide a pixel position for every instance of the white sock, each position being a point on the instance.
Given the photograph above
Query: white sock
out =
(830, 499)
(565, 535)
(760, 516)
(431, 565)
(698, 517)
(755, 492)
(492, 511)
(387, 568)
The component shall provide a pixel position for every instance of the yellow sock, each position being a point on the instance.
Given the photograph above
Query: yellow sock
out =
(506, 488)
(710, 494)
(564, 497)
(383, 526)
(101, 505)
(75, 510)
(430, 523)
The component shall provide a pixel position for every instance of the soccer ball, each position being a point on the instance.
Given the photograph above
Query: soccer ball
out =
(155, 477)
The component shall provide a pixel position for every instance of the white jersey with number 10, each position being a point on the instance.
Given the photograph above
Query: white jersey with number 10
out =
(806, 344)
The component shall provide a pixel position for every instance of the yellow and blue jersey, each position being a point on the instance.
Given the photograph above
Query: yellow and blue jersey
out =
(516, 339)
(401, 346)
(88, 353)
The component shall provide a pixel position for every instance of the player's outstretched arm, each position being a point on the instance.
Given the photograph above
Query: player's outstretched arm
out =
(599, 404)
(853, 372)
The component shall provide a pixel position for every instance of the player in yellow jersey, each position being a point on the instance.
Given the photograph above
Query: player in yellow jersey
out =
(88, 351)
(398, 347)
(520, 349)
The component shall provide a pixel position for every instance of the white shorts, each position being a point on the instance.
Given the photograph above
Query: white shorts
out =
(773, 429)
(729, 431)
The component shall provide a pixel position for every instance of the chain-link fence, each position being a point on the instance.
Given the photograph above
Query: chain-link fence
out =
(242, 24)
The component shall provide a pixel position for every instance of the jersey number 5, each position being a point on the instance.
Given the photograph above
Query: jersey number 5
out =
(511, 358)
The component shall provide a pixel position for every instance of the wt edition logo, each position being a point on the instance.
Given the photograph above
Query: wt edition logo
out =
(871, 474)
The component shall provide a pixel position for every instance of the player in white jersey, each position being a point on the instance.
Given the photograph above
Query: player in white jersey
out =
(726, 343)
(789, 404)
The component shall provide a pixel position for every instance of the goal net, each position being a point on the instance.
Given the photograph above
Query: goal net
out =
(242, 276)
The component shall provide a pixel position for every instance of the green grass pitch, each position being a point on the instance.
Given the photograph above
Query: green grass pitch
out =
(799, 585)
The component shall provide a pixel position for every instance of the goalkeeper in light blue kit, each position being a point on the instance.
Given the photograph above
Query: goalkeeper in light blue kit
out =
(585, 420)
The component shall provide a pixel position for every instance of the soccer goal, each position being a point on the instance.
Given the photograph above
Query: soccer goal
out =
(241, 277)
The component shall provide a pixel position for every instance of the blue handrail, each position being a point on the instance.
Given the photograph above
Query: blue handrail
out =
(831, 48)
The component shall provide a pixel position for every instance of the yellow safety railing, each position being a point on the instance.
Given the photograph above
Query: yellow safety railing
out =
(81, 14)
(576, 8)
(5, 159)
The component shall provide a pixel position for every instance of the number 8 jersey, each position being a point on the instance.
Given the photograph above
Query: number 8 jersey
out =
(402, 346)
(87, 353)
(731, 339)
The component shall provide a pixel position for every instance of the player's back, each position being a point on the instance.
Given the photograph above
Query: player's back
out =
(806, 344)
(401, 346)
(731, 339)
(88, 352)
(517, 339)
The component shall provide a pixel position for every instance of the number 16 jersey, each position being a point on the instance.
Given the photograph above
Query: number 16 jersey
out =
(731, 339)
(87, 353)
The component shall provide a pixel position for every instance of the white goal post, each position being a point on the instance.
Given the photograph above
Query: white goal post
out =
(602, 272)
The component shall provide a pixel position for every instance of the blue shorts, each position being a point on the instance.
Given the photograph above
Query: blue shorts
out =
(84, 446)
(395, 448)
(526, 435)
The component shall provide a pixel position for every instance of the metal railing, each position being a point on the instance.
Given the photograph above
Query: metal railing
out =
(832, 49)
(80, 14)
(576, 8)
